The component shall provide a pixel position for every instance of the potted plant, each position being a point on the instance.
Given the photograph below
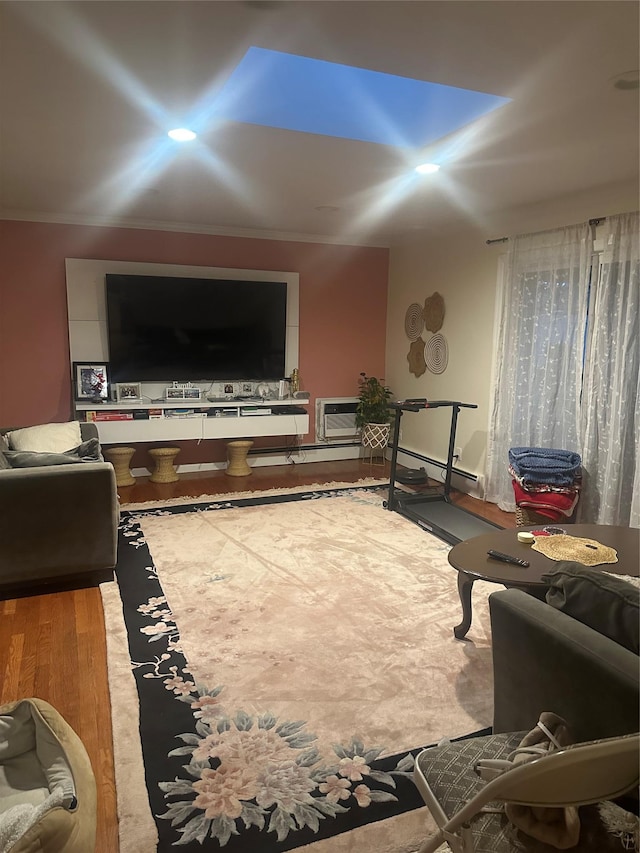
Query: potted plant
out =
(373, 415)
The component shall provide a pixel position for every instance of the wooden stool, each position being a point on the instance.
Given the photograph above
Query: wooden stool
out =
(238, 466)
(120, 457)
(164, 471)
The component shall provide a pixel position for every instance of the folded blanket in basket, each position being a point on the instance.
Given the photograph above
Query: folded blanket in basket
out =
(545, 465)
(547, 487)
(557, 502)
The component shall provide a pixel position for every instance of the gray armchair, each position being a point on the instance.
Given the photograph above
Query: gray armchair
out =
(58, 524)
(545, 660)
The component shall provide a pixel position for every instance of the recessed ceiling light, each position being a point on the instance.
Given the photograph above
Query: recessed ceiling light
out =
(427, 168)
(181, 134)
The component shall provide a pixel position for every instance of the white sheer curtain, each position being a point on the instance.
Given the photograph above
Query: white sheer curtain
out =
(611, 389)
(536, 399)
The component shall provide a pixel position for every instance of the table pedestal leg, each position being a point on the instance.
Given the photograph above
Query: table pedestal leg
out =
(465, 586)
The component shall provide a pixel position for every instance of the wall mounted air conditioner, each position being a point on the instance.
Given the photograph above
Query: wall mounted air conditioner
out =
(336, 418)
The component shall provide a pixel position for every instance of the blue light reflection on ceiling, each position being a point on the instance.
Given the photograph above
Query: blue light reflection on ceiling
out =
(293, 92)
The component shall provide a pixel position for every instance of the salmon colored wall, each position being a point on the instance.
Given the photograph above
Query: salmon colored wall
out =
(343, 305)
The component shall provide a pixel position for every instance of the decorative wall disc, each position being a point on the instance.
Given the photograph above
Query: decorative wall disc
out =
(414, 321)
(415, 357)
(434, 312)
(436, 353)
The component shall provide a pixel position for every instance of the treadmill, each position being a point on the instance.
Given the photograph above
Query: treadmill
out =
(433, 509)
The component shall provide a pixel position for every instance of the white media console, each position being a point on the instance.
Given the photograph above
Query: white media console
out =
(218, 420)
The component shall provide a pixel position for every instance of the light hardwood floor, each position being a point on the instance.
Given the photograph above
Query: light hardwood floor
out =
(53, 645)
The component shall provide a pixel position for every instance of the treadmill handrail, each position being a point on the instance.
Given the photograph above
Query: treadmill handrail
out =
(418, 403)
(435, 404)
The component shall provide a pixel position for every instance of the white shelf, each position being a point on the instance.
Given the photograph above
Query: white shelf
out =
(184, 429)
(185, 404)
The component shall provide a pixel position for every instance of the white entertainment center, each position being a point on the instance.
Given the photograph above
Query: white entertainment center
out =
(223, 418)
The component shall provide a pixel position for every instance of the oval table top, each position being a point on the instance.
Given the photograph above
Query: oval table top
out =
(470, 556)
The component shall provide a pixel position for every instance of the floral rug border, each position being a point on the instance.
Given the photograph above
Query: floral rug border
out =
(196, 500)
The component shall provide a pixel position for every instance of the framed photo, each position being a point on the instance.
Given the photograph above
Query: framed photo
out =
(128, 392)
(177, 393)
(91, 381)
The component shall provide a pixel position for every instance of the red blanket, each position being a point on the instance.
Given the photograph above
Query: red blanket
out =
(551, 504)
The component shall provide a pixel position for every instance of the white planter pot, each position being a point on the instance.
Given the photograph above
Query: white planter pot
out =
(375, 436)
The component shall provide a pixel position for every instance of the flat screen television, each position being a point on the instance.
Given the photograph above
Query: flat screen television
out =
(170, 329)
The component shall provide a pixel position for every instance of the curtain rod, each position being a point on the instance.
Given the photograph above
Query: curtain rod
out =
(596, 221)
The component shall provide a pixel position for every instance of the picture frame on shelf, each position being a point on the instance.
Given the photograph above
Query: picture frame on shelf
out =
(91, 381)
(175, 392)
(128, 392)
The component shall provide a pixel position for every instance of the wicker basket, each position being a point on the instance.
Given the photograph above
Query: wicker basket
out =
(527, 518)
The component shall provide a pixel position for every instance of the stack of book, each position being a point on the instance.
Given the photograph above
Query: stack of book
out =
(113, 415)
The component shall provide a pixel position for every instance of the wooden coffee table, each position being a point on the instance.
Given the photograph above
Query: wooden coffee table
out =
(472, 562)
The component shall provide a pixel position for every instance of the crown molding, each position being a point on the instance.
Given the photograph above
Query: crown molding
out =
(189, 228)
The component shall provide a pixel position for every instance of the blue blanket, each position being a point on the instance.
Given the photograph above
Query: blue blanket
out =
(545, 465)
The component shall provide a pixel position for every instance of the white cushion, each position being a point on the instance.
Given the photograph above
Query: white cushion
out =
(47, 438)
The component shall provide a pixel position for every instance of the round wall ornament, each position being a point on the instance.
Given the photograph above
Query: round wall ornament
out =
(434, 312)
(414, 321)
(415, 357)
(436, 353)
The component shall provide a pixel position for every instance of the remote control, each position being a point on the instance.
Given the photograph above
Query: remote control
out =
(506, 558)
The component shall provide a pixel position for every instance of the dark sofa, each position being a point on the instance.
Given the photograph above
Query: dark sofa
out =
(58, 524)
(576, 656)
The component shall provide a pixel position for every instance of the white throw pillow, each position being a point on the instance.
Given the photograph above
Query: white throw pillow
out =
(46, 438)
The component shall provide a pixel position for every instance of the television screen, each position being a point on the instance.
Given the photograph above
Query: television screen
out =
(164, 329)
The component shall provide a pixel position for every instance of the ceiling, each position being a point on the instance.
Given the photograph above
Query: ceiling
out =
(89, 89)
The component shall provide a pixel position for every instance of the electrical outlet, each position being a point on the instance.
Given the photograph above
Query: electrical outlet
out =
(457, 453)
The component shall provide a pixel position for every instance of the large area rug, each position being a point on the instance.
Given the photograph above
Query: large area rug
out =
(275, 664)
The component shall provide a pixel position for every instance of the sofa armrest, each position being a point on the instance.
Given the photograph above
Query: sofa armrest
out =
(57, 520)
(543, 660)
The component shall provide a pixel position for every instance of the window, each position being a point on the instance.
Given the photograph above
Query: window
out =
(566, 372)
